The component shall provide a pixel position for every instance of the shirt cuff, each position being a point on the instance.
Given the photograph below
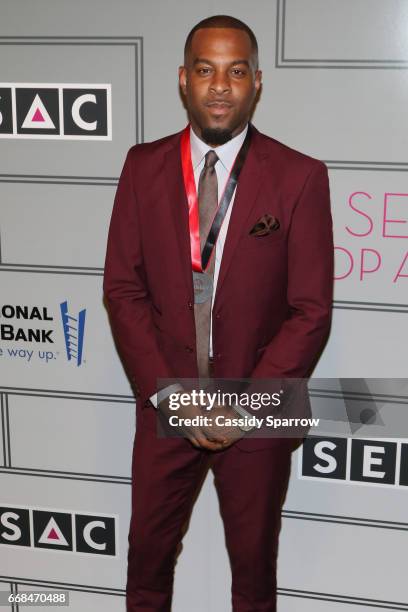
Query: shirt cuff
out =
(165, 393)
(243, 413)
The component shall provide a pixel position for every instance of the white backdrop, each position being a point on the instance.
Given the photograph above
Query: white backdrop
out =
(335, 87)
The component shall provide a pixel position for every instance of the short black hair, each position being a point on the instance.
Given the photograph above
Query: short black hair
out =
(222, 21)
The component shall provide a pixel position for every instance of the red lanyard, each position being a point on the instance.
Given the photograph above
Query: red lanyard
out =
(192, 199)
(200, 261)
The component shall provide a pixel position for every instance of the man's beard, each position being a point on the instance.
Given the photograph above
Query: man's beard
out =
(216, 136)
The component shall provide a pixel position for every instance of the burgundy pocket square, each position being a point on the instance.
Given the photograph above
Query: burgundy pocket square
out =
(265, 226)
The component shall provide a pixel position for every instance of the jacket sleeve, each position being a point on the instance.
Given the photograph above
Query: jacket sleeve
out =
(126, 291)
(293, 351)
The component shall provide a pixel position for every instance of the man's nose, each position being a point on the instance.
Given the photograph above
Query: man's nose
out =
(220, 83)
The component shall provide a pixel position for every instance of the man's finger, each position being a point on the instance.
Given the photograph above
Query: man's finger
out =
(194, 441)
(216, 438)
(205, 443)
(204, 438)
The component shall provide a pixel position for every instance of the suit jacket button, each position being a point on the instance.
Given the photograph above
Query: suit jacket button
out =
(190, 305)
(189, 349)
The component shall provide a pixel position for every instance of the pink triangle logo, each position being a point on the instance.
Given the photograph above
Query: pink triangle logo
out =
(53, 535)
(37, 116)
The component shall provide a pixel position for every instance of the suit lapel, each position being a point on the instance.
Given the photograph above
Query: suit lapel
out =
(245, 197)
(177, 200)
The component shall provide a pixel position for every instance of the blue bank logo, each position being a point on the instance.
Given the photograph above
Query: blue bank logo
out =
(74, 328)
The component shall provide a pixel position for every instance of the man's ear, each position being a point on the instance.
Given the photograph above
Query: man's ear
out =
(183, 79)
(258, 79)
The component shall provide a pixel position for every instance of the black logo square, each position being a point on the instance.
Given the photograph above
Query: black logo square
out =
(85, 112)
(14, 526)
(95, 534)
(6, 112)
(373, 461)
(404, 465)
(37, 111)
(324, 457)
(52, 530)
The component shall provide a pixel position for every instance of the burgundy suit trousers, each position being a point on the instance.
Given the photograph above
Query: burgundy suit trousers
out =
(167, 474)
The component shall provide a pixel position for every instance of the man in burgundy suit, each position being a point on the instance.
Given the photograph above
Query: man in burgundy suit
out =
(219, 264)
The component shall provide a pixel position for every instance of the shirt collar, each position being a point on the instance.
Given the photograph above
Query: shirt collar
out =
(226, 152)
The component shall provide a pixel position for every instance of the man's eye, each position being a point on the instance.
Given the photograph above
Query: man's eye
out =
(204, 70)
(238, 72)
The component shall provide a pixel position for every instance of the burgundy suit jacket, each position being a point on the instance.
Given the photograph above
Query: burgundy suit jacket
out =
(273, 302)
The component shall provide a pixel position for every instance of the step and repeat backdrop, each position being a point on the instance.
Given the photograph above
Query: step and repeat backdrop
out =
(79, 84)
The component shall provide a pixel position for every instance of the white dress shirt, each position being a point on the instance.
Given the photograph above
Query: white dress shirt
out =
(226, 157)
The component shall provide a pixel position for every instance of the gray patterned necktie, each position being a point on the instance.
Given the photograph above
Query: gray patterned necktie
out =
(207, 204)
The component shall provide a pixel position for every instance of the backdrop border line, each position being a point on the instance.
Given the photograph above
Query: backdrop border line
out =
(81, 395)
(282, 591)
(67, 585)
(340, 63)
(82, 271)
(344, 520)
(332, 393)
(344, 599)
(63, 475)
(112, 181)
(3, 428)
